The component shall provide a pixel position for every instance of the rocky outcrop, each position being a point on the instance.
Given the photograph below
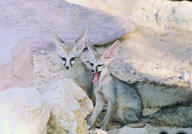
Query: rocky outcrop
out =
(151, 13)
(34, 20)
(16, 65)
(23, 111)
(69, 107)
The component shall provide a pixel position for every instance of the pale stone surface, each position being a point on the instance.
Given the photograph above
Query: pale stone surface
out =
(150, 13)
(152, 55)
(23, 111)
(97, 131)
(34, 20)
(127, 130)
(123, 130)
(16, 66)
(69, 107)
(47, 68)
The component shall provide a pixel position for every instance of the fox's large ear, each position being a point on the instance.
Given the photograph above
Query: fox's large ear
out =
(80, 43)
(59, 42)
(91, 50)
(112, 51)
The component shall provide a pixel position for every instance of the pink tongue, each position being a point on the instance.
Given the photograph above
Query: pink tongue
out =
(96, 77)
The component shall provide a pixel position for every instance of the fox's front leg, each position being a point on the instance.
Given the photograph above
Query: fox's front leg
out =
(110, 97)
(108, 115)
(98, 108)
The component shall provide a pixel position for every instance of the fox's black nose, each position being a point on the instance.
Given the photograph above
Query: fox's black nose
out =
(67, 67)
(92, 71)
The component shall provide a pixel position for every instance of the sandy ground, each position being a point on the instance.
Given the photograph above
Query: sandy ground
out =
(159, 54)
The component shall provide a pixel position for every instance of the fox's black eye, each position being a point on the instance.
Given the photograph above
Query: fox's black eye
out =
(91, 64)
(63, 58)
(99, 68)
(99, 65)
(73, 58)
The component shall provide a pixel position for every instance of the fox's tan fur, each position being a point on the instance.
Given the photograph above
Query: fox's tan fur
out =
(125, 99)
(156, 95)
(121, 98)
(76, 71)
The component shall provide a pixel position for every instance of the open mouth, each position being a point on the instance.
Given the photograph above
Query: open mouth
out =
(96, 77)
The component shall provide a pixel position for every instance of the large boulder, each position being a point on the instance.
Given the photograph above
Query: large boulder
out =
(34, 20)
(16, 65)
(23, 111)
(69, 107)
(151, 13)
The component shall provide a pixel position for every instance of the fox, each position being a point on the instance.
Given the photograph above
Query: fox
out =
(174, 115)
(125, 100)
(158, 95)
(121, 98)
(74, 68)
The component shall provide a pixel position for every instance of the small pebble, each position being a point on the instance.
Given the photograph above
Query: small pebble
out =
(185, 76)
(190, 82)
(42, 51)
(98, 131)
(190, 62)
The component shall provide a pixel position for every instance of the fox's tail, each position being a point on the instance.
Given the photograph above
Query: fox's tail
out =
(179, 115)
(156, 95)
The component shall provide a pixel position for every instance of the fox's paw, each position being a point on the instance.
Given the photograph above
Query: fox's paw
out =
(88, 127)
(89, 124)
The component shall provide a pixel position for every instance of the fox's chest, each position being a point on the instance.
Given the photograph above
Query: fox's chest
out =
(105, 83)
(80, 76)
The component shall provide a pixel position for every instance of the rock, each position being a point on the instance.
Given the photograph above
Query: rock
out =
(185, 76)
(124, 71)
(42, 51)
(110, 6)
(150, 13)
(47, 68)
(34, 20)
(190, 62)
(127, 130)
(16, 65)
(69, 106)
(97, 131)
(23, 111)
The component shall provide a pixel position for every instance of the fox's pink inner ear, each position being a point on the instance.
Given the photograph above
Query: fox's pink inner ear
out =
(112, 51)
